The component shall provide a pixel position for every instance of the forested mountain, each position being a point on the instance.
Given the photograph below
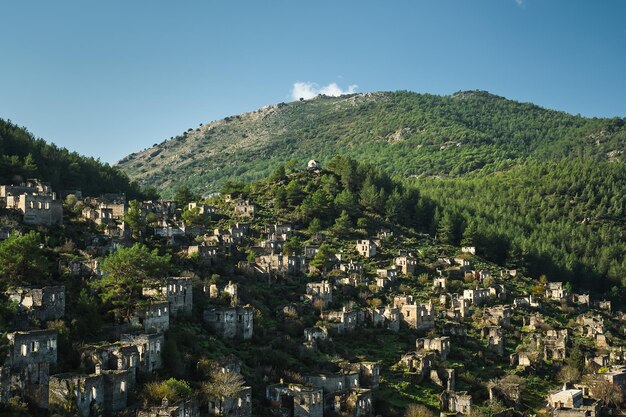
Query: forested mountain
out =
(565, 219)
(405, 133)
(23, 156)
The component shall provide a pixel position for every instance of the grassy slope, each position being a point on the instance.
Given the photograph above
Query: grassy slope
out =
(405, 133)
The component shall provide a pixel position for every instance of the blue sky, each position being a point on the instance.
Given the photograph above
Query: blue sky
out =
(110, 78)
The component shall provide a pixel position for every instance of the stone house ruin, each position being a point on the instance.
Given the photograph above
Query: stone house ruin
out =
(237, 405)
(419, 316)
(406, 262)
(495, 339)
(149, 348)
(43, 304)
(295, 400)
(366, 248)
(178, 291)
(437, 344)
(556, 291)
(35, 201)
(187, 408)
(231, 322)
(456, 402)
(322, 291)
(155, 318)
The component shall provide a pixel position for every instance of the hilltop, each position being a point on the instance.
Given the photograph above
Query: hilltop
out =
(23, 156)
(405, 133)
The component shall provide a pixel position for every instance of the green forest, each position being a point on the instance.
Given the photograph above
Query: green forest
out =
(22, 156)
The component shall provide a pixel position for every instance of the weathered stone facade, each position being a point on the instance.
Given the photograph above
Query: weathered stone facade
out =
(43, 304)
(149, 348)
(231, 322)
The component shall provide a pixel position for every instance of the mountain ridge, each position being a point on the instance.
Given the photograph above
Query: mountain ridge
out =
(406, 133)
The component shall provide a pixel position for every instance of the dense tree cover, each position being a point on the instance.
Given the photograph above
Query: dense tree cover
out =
(564, 219)
(127, 272)
(22, 261)
(404, 133)
(22, 156)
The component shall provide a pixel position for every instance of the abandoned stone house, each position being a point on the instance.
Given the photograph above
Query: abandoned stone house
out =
(418, 362)
(162, 208)
(34, 346)
(499, 315)
(456, 306)
(464, 263)
(236, 405)
(455, 402)
(419, 316)
(112, 357)
(351, 267)
(555, 344)
(178, 291)
(332, 383)
(43, 304)
(406, 262)
(366, 248)
(150, 349)
(581, 299)
(26, 370)
(279, 229)
(186, 408)
(295, 400)
(556, 291)
(35, 200)
(495, 339)
(477, 296)
(29, 382)
(155, 318)
(437, 344)
(313, 165)
(108, 389)
(604, 305)
(229, 290)
(526, 302)
(388, 273)
(451, 328)
(384, 233)
(522, 359)
(440, 283)
(387, 317)
(244, 208)
(469, 250)
(231, 322)
(369, 373)
(566, 398)
(203, 209)
(205, 253)
(322, 291)
(313, 335)
(283, 264)
(88, 390)
(356, 403)
(310, 251)
(343, 321)
(88, 267)
(444, 378)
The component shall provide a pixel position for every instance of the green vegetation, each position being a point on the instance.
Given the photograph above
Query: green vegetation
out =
(404, 133)
(22, 157)
(126, 272)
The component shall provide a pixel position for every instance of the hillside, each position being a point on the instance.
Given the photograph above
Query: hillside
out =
(22, 156)
(405, 133)
(430, 318)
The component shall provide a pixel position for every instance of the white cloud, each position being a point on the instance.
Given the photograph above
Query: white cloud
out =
(307, 90)
(520, 3)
